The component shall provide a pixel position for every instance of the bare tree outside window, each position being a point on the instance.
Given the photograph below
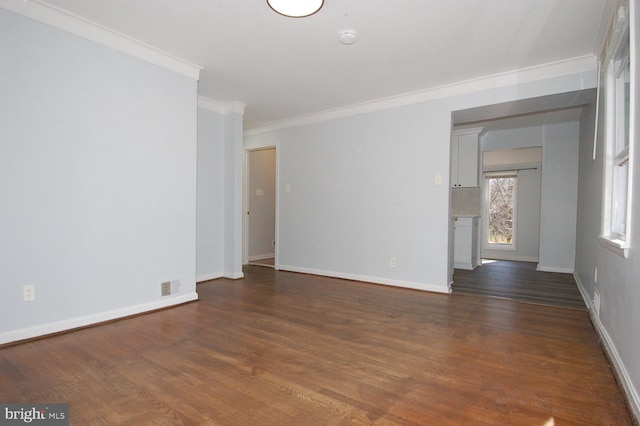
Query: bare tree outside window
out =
(501, 209)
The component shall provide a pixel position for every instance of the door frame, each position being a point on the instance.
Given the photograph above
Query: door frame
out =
(246, 206)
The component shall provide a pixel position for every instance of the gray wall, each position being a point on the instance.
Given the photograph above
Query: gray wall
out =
(617, 281)
(559, 197)
(262, 218)
(210, 201)
(362, 188)
(589, 205)
(97, 181)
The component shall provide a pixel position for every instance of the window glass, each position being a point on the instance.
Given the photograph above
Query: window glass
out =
(502, 193)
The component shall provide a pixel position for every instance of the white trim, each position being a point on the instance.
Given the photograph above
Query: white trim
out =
(580, 65)
(633, 399)
(543, 268)
(234, 107)
(464, 265)
(61, 19)
(208, 277)
(467, 131)
(368, 279)
(630, 392)
(233, 275)
(262, 256)
(506, 255)
(585, 297)
(70, 324)
(619, 247)
(219, 107)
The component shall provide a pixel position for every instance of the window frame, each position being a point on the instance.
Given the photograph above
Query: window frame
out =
(618, 64)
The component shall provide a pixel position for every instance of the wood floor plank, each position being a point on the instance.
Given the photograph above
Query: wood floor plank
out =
(278, 348)
(519, 281)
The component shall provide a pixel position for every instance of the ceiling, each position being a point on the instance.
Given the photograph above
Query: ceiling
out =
(282, 68)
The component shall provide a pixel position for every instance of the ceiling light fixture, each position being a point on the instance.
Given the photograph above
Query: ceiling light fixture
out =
(295, 8)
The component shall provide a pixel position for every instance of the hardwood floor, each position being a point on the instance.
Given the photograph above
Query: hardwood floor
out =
(278, 348)
(519, 281)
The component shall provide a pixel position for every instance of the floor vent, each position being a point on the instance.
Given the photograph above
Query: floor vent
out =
(168, 288)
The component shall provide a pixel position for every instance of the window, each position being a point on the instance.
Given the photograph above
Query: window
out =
(617, 175)
(500, 192)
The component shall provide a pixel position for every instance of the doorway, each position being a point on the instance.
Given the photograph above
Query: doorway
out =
(260, 207)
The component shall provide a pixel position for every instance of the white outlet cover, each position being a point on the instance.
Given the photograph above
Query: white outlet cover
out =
(29, 292)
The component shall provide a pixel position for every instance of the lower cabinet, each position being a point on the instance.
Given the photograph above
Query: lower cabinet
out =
(465, 243)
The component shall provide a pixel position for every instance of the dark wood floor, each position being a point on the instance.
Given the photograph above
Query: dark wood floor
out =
(278, 348)
(519, 281)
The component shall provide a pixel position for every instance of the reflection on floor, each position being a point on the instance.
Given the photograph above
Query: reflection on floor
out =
(519, 281)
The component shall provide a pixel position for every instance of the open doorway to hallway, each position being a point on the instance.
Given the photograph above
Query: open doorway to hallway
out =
(260, 202)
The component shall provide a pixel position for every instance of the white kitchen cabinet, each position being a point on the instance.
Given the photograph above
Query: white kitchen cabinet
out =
(465, 149)
(466, 253)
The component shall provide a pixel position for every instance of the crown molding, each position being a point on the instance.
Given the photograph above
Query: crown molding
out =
(582, 64)
(219, 107)
(58, 18)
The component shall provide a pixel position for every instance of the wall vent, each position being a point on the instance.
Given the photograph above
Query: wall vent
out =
(168, 288)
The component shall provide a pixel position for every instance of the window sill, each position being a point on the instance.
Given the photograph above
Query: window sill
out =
(619, 247)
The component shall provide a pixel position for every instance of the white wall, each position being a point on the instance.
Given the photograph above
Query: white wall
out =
(210, 204)
(559, 197)
(262, 207)
(362, 187)
(97, 181)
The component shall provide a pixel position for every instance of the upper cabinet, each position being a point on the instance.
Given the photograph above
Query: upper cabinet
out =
(465, 148)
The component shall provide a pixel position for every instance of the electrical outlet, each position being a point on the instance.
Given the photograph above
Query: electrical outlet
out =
(392, 262)
(437, 180)
(29, 292)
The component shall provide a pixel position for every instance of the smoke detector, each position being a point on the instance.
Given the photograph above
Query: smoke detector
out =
(347, 37)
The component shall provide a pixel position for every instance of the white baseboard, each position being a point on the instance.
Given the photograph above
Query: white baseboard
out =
(630, 392)
(463, 265)
(583, 292)
(368, 279)
(233, 275)
(495, 255)
(70, 324)
(208, 277)
(543, 268)
(261, 256)
(625, 380)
